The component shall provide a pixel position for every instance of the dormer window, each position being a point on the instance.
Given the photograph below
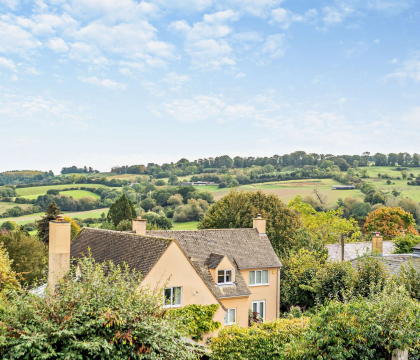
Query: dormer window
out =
(224, 277)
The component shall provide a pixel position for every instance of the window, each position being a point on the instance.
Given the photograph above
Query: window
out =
(172, 297)
(259, 307)
(224, 277)
(230, 317)
(258, 277)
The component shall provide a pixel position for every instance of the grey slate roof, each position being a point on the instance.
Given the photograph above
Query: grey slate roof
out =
(394, 261)
(353, 250)
(245, 249)
(214, 260)
(140, 253)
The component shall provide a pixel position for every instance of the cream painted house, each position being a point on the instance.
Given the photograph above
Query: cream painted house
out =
(235, 268)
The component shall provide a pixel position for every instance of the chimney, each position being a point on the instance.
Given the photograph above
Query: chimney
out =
(377, 242)
(260, 224)
(139, 226)
(59, 250)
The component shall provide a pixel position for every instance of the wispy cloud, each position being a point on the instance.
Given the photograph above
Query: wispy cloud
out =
(104, 83)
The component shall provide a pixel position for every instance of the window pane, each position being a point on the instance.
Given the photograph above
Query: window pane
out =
(252, 278)
(167, 294)
(265, 277)
(177, 296)
(261, 309)
(258, 277)
(228, 276)
(220, 277)
(226, 317)
(254, 307)
(231, 316)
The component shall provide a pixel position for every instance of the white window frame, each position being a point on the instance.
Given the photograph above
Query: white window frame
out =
(172, 295)
(227, 317)
(224, 277)
(255, 277)
(258, 302)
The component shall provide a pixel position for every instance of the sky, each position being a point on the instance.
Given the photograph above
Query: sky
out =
(120, 82)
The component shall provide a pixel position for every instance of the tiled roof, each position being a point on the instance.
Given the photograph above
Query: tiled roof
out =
(245, 249)
(214, 260)
(353, 250)
(140, 253)
(394, 261)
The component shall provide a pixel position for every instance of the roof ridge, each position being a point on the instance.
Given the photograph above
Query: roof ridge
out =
(192, 230)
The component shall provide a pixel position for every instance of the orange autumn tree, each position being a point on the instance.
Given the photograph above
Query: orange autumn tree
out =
(390, 221)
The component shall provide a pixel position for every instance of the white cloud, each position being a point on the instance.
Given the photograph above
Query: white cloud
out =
(185, 5)
(259, 8)
(14, 39)
(179, 26)
(274, 46)
(210, 54)
(408, 70)
(240, 75)
(6, 63)
(105, 83)
(175, 81)
(58, 45)
(285, 18)
(12, 4)
(202, 108)
(247, 37)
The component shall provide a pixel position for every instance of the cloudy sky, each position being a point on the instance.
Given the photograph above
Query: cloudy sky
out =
(114, 82)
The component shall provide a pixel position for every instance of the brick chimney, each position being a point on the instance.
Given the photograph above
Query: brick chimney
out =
(139, 226)
(260, 224)
(377, 242)
(59, 250)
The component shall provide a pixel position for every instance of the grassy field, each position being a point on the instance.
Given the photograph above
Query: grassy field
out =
(373, 171)
(42, 190)
(78, 194)
(22, 220)
(7, 205)
(191, 225)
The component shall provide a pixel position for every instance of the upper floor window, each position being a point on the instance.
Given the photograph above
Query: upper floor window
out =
(224, 277)
(172, 297)
(258, 277)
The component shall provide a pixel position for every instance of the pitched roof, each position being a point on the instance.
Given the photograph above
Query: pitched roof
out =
(140, 253)
(393, 262)
(353, 250)
(245, 249)
(214, 260)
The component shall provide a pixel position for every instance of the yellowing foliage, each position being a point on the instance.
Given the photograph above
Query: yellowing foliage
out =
(390, 221)
(75, 229)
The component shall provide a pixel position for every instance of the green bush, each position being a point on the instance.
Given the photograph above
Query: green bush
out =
(404, 244)
(124, 225)
(9, 225)
(363, 328)
(197, 319)
(370, 277)
(409, 277)
(261, 341)
(103, 315)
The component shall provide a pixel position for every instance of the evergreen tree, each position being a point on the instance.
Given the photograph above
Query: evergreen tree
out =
(43, 225)
(122, 209)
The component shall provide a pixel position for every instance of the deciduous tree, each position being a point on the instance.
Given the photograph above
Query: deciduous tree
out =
(122, 209)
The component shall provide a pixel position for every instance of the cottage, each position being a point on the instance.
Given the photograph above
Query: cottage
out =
(235, 268)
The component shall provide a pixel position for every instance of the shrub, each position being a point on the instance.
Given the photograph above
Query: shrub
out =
(363, 328)
(124, 225)
(261, 341)
(197, 319)
(409, 277)
(103, 315)
(370, 277)
(9, 225)
(404, 244)
(160, 183)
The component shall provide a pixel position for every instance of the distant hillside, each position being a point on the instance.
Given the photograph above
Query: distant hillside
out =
(23, 173)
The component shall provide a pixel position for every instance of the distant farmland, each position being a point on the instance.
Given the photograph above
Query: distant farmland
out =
(42, 190)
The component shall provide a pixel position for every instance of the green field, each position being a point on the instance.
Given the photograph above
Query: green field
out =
(373, 171)
(78, 194)
(22, 220)
(191, 225)
(7, 205)
(30, 192)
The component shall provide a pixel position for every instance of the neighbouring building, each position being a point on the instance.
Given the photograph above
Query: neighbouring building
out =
(235, 268)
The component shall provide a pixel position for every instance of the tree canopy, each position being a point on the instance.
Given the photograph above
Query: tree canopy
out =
(238, 208)
(43, 225)
(122, 209)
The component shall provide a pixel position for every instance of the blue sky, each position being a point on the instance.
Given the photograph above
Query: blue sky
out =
(107, 82)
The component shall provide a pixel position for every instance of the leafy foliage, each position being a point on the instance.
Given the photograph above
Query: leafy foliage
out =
(197, 319)
(122, 209)
(75, 228)
(8, 278)
(405, 244)
(102, 315)
(390, 221)
(261, 341)
(238, 208)
(43, 225)
(363, 328)
(409, 277)
(28, 253)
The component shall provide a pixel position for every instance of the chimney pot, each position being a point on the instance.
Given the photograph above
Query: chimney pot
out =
(260, 224)
(377, 242)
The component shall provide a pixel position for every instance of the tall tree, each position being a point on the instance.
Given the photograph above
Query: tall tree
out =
(122, 209)
(238, 208)
(43, 225)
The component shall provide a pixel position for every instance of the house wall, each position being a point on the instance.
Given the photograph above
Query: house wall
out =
(242, 308)
(269, 293)
(225, 264)
(174, 269)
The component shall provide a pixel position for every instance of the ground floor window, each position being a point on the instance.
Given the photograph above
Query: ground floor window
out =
(259, 307)
(230, 317)
(172, 296)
